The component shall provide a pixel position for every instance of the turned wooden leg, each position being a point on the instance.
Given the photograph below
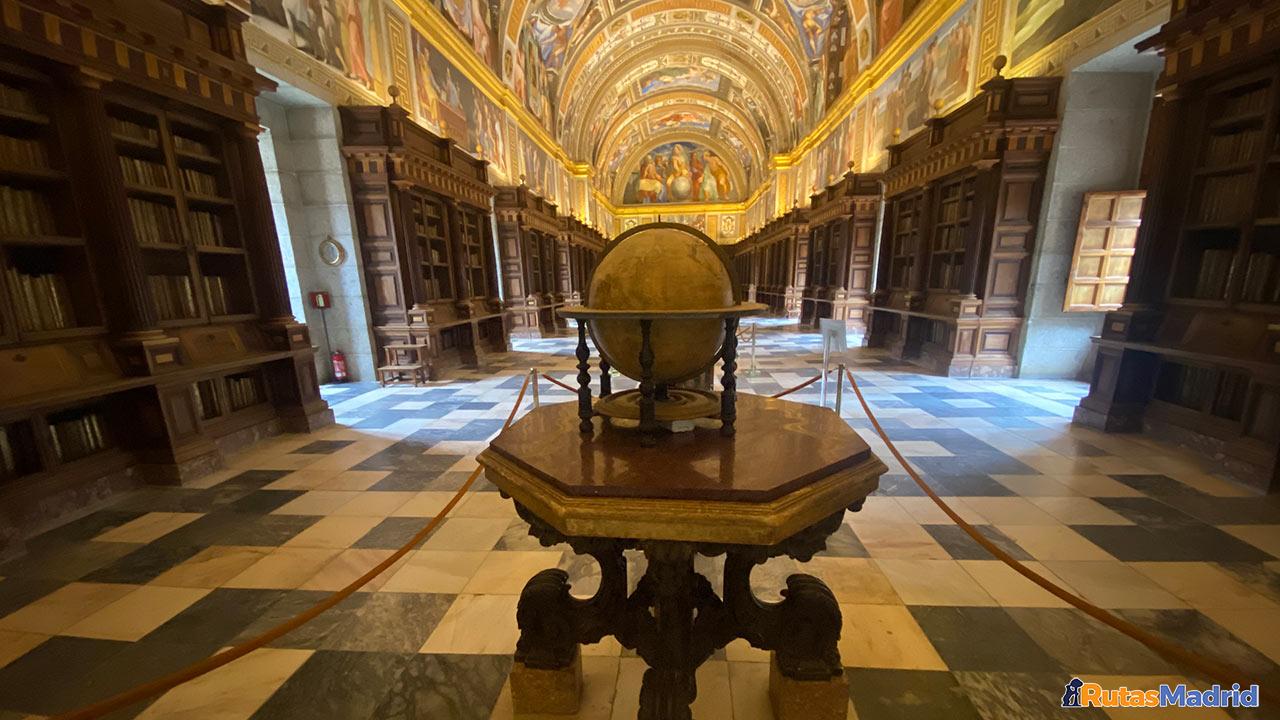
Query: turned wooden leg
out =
(585, 409)
(648, 414)
(547, 674)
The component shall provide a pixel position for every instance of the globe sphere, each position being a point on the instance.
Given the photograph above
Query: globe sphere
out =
(680, 188)
(661, 267)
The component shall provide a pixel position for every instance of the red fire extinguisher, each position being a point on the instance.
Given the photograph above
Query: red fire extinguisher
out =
(339, 366)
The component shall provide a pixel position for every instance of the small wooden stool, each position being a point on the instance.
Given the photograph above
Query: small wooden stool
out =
(402, 358)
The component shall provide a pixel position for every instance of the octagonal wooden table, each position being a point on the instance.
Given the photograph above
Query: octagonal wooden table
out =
(780, 486)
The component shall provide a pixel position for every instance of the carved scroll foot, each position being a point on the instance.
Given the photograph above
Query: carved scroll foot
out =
(807, 699)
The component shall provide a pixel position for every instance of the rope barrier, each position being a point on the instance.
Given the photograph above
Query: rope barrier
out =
(195, 670)
(1213, 669)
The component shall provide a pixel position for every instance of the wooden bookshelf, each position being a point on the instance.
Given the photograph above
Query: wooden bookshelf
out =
(423, 218)
(772, 263)
(963, 202)
(1194, 352)
(842, 229)
(529, 231)
(580, 249)
(139, 267)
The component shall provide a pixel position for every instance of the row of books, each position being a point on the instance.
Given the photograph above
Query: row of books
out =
(1215, 269)
(207, 404)
(1225, 198)
(205, 229)
(1231, 148)
(22, 152)
(1248, 102)
(948, 238)
(153, 223)
(1262, 279)
(78, 437)
(43, 301)
(954, 211)
(173, 297)
(215, 292)
(25, 212)
(946, 273)
(197, 182)
(243, 391)
(144, 172)
(136, 131)
(186, 144)
(12, 98)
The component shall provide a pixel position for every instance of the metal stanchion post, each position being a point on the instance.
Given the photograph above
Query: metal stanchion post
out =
(533, 380)
(839, 387)
(753, 349)
(826, 358)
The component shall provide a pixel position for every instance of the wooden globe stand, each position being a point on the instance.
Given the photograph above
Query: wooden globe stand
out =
(651, 393)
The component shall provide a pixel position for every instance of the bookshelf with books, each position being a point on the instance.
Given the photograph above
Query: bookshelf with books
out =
(1194, 352)
(962, 207)
(580, 248)
(138, 257)
(842, 231)
(422, 209)
(775, 259)
(529, 230)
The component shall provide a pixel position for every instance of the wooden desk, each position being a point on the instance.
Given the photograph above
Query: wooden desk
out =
(780, 486)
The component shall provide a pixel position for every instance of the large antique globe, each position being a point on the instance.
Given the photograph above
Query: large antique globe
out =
(661, 266)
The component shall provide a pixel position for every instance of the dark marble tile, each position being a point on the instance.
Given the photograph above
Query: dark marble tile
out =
(321, 633)
(390, 622)
(458, 687)
(253, 479)
(407, 480)
(82, 529)
(962, 547)
(982, 638)
(844, 543)
(173, 499)
(323, 447)
(453, 481)
(1160, 486)
(50, 679)
(1149, 512)
(216, 619)
(1170, 543)
(144, 564)
(232, 528)
(261, 502)
(410, 459)
(968, 485)
(1229, 510)
(1085, 646)
(1020, 695)
(145, 661)
(475, 430)
(1193, 631)
(391, 533)
(334, 684)
(1257, 576)
(908, 695)
(66, 562)
(18, 592)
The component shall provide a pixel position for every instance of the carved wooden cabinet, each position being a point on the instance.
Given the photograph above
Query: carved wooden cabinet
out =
(529, 240)
(963, 199)
(842, 235)
(771, 263)
(145, 325)
(580, 248)
(426, 239)
(1194, 352)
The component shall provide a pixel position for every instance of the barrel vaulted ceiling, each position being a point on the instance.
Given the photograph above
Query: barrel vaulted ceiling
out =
(739, 80)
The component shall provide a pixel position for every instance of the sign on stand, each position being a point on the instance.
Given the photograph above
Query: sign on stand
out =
(834, 340)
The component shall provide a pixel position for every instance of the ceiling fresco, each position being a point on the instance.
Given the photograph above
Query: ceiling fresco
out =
(608, 76)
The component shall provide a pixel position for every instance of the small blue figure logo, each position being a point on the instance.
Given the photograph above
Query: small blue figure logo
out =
(1071, 697)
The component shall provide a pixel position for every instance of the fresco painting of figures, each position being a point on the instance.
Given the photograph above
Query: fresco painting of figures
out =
(340, 33)
(679, 172)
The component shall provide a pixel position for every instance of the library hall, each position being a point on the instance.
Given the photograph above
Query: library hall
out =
(640, 359)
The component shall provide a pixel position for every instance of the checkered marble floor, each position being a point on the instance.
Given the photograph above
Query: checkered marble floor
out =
(933, 627)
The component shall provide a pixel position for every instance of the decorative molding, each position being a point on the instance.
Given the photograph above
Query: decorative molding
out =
(291, 65)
